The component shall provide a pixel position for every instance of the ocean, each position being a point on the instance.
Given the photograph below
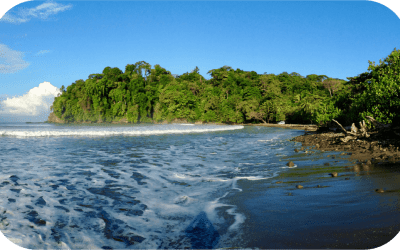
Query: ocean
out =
(137, 186)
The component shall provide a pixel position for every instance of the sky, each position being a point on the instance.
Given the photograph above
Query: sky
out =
(47, 44)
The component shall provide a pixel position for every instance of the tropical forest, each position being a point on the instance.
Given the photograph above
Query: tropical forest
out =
(146, 94)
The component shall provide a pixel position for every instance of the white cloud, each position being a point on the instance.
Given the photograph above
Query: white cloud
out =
(36, 102)
(41, 52)
(42, 11)
(10, 60)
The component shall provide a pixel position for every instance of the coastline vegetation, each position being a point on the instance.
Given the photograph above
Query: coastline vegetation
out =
(142, 94)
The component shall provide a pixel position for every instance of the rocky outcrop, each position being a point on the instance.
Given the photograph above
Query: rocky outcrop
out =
(122, 121)
(54, 119)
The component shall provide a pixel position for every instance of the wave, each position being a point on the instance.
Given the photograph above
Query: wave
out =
(110, 132)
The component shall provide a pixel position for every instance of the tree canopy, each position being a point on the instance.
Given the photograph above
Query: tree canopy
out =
(152, 94)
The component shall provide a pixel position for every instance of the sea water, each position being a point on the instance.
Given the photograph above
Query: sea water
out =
(131, 186)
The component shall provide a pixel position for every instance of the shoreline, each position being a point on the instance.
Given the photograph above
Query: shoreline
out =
(308, 207)
(345, 208)
(367, 151)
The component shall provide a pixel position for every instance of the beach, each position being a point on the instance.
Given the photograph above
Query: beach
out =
(359, 208)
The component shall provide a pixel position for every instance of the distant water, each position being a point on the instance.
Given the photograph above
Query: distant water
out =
(131, 186)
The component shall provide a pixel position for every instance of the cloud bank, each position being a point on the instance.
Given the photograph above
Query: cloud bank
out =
(42, 11)
(36, 102)
(11, 61)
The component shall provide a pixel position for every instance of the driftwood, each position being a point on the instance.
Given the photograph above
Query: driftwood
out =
(354, 132)
(361, 132)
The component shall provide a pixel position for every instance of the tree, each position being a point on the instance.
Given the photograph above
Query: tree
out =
(146, 94)
(196, 70)
(332, 85)
(316, 78)
(377, 91)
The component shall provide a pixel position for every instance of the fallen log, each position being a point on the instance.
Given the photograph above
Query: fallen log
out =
(362, 132)
(354, 132)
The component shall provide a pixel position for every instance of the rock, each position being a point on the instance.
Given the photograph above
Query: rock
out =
(334, 174)
(296, 150)
(54, 119)
(319, 186)
(299, 186)
(369, 162)
(326, 164)
(302, 148)
(347, 178)
(379, 190)
(290, 164)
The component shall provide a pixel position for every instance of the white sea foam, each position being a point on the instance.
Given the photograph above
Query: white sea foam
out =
(113, 131)
(294, 166)
(122, 187)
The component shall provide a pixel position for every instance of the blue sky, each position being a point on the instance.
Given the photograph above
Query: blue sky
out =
(62, 41)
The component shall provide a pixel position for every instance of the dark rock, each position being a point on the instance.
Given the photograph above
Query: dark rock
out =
(296, 150)
(347, 178)
(40, 222)
(290, 164)
(326, 164)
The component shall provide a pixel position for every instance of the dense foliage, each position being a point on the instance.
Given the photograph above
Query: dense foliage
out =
(146, 94)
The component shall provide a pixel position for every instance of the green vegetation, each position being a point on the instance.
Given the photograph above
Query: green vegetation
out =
(145, 94)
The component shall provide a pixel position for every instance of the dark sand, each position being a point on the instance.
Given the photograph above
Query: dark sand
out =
(328, 212)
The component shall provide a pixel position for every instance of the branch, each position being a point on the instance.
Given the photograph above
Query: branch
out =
(340, 126)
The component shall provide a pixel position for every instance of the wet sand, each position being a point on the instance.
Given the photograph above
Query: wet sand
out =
(349, 211)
